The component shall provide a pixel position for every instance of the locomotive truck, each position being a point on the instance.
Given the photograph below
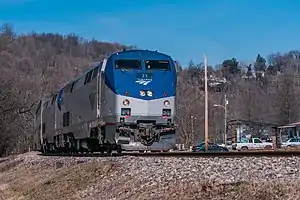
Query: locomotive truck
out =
(125, 102)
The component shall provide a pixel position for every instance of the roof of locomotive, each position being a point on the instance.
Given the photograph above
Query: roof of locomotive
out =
(96, 64)
(139, 51)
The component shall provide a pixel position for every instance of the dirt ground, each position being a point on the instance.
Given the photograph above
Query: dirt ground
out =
(20, 179)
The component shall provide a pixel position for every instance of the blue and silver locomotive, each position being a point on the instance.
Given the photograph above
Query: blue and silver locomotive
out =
(125, 102)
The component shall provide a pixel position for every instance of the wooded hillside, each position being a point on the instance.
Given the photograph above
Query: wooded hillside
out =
(33, 64)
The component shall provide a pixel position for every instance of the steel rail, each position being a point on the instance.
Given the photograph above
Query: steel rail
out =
(3, 160)
(183, 154)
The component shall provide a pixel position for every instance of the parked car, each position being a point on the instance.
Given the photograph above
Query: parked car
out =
(292, 142)
(253, 143)
(212, 147)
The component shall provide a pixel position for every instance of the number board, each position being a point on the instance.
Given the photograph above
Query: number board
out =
(144, 76)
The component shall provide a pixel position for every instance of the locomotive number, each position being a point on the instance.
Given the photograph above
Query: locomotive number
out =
(144, 76)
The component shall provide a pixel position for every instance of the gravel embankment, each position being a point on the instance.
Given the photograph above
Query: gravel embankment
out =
(33, 177)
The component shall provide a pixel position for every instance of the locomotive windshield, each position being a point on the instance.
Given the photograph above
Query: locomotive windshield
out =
(128, 64)
(157, 65)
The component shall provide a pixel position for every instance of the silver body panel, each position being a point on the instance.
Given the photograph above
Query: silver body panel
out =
(142, 109)
(145, 110)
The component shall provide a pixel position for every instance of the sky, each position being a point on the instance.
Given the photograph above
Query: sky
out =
(184, 29)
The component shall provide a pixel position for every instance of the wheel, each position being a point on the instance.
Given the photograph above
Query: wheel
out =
(101, 150)
(268, 147)
(108, 149)
(45, 147)
(244, 148)
(223, 150)
(119, 149)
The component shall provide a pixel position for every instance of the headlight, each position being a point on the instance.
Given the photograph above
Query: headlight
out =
(126, 102)
(167, 103)
(142, 93)
(149, 93)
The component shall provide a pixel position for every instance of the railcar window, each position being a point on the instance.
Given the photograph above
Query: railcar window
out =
(66, 119)
(128, 64)
(53, 99)
(72, 87)
(157, 65)
(95, 72)
(44, 128)
(88, 77)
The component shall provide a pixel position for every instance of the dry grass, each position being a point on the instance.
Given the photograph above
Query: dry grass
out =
(49, 183)
(10, 165)
(243, 191)
(106, 180)
(66, 182)
(240, 191)
(206, 190)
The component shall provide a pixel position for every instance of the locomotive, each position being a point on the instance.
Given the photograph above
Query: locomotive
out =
(125, 102)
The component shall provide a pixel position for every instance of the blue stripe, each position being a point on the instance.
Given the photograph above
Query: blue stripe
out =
(121, 82)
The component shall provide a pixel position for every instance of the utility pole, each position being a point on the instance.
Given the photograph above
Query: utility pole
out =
(41, 118)
(192, 120)
(192, 123)
(225, 119)
(206, 104)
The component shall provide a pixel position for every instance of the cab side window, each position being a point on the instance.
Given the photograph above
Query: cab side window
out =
(294, 140)
(257, 141)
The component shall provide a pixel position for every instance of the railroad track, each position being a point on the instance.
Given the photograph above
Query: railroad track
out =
(183, 154)
(3, 160)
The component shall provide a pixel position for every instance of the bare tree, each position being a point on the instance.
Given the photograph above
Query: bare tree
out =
(36, 63)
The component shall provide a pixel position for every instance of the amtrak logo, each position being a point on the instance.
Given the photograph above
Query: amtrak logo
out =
(143, 82)
(144, 78)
